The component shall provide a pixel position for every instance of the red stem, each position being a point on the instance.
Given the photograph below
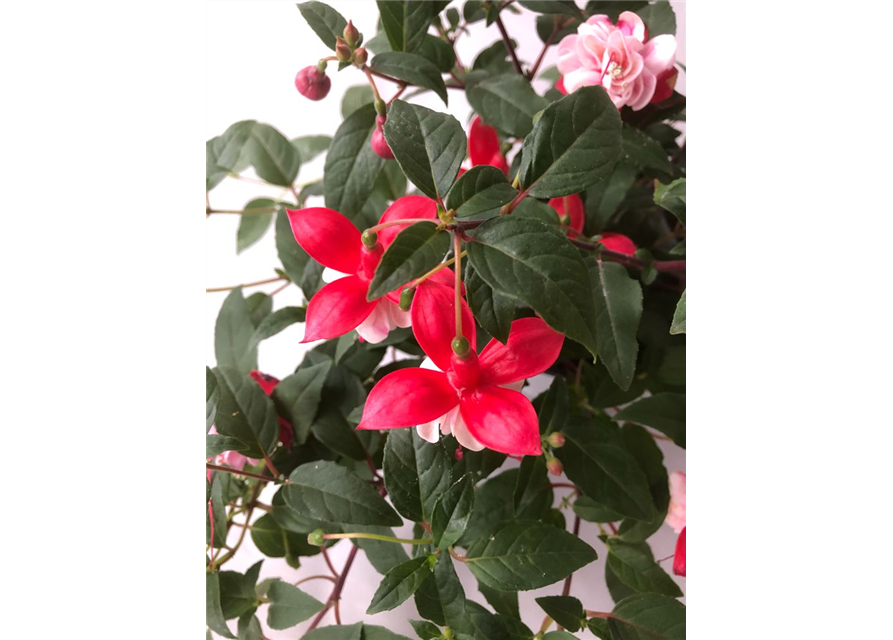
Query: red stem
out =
(336, 591)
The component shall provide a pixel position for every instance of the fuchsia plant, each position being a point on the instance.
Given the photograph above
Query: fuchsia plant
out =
(440, 273)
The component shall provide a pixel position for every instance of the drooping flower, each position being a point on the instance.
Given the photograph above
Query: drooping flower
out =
(618, 242)
(572, 207)
(676, 512)
(679, 556)
(472, 398)
(268, 383)
(313, 83)
(618, 58)
(333, 241)
(379, 144)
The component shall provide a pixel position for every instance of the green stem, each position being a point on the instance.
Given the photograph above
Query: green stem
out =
(457, 249)
(376, 536)
(392, 223)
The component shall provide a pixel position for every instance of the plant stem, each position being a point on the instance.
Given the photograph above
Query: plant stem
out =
(248, 284)
(456, 556)
(567, 583)
(391, 223)
(556, 27)
(666, 266)
(369, 73)
(309, 578)
(376, 536)
(442, 265)
(325, 556)
(236, 472)
(508, 44)
(243, 212)
(457, 249)
(336, 591)
(278, 289)
(604, 615)
(270, 465)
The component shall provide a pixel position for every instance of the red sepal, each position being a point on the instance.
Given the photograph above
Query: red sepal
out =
(532, 347)
(502, 420)
(330, 238)
(406, 398)
(339, 307)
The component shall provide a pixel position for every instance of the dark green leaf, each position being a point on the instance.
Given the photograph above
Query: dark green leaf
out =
(596, 460)
(429, 146)
(249, 628)
(337, 632)
(332, 429)
(260, 305)
(416, 250)
(634, 565)
(643, 151)
(545, 24)
(399, 584)
(383, 556)
(672, 198)
(326, 491)
(601, 391)
(297, 397)
(575, 143)
(351, 165)
(613, 8)
(441, 599)
(294, 259)
(411, 68)
(289, 605)
(268, 536)
(493, 503)
(494, 311)
(277, 321)
(237, 596)
(215, 445)
(473, 11)
(678, 325)
(592, 511)
(533, 492)
(482, 188)
(603, 199)
(437, 51)
(559, 635)
(659, 18)
(504, 602)
(425, 630)
(493, 60)
(232, 334)
(507, 102)
(252, 224)
(212, 397)
(618, 306)
(565, 7)
(648, 616)
(651, 460)
(405, 22)
(522, 555)
(616, 587)
(452, 511)
(416, 472)
(311, 146)
(537, 264)
(356, 97)
(662, 411)
(327, 23)
(245, 412)
(274, 158)
(553, 411)
(567, 611)
(372, 632)
(391, 182)
(599, 628)
(220, 482)
(214, 613)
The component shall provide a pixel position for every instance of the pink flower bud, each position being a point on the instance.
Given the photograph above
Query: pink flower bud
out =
(554, 466)
(556, 440)
(380, 145)
(342, 50)
(351, 34)
(313, 83)
(359, 57)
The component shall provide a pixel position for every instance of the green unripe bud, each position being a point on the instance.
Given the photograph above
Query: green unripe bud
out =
(380, 107)
(555, 440)
(316, 538)
(461, 347)
(351, 35)
(342, 50)
(360, 56)
(554, 465)
(406, 298)
(369, 238)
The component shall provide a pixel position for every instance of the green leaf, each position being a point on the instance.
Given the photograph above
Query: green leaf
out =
(659, 18)
(648, 616)
(277, 321)
(441, 598)
(326, 491)
(494, 502)
(616, 587)
(596, 460)
(237, 596)
(289, 605)
(567, 611)
(416, 472)
(425, 630)
(672, 198)
(245, 412)
(575, 143)
(416, 250)
(643, 151)
(618, 306)
(634, 565)
(214, 173)
(214, 613)
(215, 445)
(437, 51)
(537, 264)
(391, 182)
(311, 146)
(295, 261)
(232, 334)
(212, 397)
(260, 305)
(413, 69)
(504, 602)
(559, 635)
(482, 188)
(452, 511)
(356, 97)
(274, 158)
(351, 165)
(662, 411)
(337, 632)
(249, 628)
(678, 325)
(383, 556)
(521, 555)
(220, 483)
(405, 22)
(252, 225)
(603, 199)
(372, 632)
(592, 511)
(333, 430)
(553, 411)
(494, 59)
(399, 584)
(268, 536)
(327, 23)
(507, 102)
(429, 146)
(545, 24)
(651, 460)
(533, 492)
(564, 7)
(601, 391)
(297, 397)
(494, 311)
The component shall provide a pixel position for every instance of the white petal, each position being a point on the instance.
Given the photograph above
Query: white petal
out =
(429, 431)
(376, 327)
(399, 318)
(330, 275)
(460, 431)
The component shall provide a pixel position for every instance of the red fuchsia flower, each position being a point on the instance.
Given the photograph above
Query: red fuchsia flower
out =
(572, 207)
(379, 144)
(618, 58)
(268, 383)
(333, 241)
(313, 83)
(475, 398)
(618, 242)
(679, 556)
(483, 147)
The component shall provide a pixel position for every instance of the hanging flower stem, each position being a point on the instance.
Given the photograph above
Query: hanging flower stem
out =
(457, 249)
(393, 223)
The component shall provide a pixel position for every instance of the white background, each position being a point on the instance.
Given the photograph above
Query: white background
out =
(275, 42)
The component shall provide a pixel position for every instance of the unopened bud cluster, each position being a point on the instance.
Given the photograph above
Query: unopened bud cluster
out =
(313, 83)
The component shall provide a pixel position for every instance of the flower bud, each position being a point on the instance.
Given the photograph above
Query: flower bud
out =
(369, 238)
(316, 538)
(406, 298)
(380, 108)
(554, 465)
(460, 453)
(556, 440)
(342, 50)
(461, 346)
(351, 35)
(359, 57)
(313, 83)
(380, 145)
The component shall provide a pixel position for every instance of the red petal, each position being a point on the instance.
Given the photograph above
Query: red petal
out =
(330, 238)
(483, 143)
(532, 348)
(404, 208)
(406, 398)
(572, 207)
(339, 307)
(559, 85)
(434, 322)
(679, 558)
(266, 382)
(619, 243)
(502, 420)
